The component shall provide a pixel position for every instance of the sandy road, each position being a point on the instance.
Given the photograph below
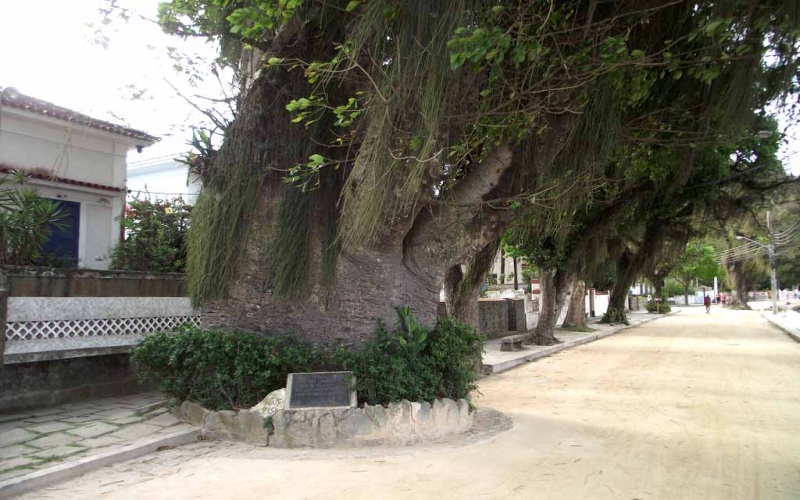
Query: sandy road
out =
(692, 406)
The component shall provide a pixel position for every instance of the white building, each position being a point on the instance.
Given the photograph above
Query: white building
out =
(75, 159)
(162, 178)
(505, 266)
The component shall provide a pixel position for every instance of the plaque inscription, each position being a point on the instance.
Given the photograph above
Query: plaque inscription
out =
(319, 390)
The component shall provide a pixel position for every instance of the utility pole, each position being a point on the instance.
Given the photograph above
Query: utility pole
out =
(772, 265)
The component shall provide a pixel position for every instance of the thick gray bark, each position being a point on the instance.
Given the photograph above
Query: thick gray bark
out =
(553, 285)
(370, 284)
(462, 288)
(737, 278)
(576, 313)
(626, 274)
(406, 266)
(516, 278)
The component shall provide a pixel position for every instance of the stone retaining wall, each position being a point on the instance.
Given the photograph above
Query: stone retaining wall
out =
(47, 282)
(493, 318)
(398, 424)
(50, 383)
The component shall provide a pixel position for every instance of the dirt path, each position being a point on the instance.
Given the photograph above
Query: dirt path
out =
(688, 407)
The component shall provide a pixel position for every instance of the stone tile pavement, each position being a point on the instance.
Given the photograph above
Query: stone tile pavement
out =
(37, 439)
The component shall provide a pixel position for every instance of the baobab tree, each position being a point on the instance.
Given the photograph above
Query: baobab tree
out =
(380, 143)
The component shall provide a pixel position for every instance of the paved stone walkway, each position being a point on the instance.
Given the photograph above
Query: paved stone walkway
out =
(787, 319)
(36, 439)
(690, 407)
(496, 361)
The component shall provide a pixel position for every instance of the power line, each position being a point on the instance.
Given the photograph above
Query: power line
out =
(781, 242)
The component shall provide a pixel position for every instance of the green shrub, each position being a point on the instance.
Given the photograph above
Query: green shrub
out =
(660, 307)
(614, 316)
(155, 236)
(220, 370)
(27, 222)
(414, 364)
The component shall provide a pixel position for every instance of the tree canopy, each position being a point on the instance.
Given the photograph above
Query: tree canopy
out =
(411, 134)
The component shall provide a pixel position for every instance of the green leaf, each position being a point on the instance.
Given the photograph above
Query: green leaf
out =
(351, 6)
(712, 27)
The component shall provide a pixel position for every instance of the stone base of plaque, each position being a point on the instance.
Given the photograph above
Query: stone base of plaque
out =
(244, 426)
(398, 424)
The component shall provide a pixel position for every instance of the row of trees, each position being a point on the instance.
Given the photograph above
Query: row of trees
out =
(382, 149)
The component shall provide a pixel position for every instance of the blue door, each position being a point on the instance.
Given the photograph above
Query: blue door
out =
(61, 248)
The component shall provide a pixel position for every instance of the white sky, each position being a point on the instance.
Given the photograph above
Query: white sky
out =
(46, 51)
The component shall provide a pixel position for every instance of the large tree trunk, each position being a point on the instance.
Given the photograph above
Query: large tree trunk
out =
(516, 278)
(630, 265)
(658, 286)
(553, 285)
(463, 287)
(576, 313)
(626, 275)
(272, 258)
(737, 278)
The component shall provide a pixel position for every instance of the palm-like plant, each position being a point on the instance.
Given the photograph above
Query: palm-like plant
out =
(26, 222)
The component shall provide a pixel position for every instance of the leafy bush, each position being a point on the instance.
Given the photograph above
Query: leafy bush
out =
(155, 236)
(660, 307)
(674, 289)
(220, 370)
(415, 364)
(614, 316)
(26, 223)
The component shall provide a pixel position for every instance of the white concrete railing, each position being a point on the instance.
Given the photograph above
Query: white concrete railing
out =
(38, 318)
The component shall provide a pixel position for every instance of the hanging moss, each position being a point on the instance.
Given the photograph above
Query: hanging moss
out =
(288, 256)
(404, 134)
(220, 226)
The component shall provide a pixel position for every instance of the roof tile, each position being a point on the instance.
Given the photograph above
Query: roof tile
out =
(11, 97)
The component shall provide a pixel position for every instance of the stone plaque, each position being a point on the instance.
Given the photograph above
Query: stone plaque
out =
(320, 390)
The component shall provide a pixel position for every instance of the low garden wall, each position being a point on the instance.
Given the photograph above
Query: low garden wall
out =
(497, 317)
(50, 383)
(400, 423)
(47, 282)
(65, 333)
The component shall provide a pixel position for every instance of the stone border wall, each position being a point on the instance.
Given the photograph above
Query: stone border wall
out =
(47, 282)
(50, 383)
(400, 423)
(244, 426)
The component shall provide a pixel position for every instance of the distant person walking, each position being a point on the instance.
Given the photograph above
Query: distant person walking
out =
(707, 303)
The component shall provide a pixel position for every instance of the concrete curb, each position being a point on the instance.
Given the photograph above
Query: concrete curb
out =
(794, 333)
(549, 351)
(47, 477)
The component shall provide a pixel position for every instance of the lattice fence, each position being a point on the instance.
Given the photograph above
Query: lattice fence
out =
(38, 330)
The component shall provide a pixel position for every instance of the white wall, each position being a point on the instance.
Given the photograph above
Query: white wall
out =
(31, 141)
(54, 147)
(163, 178)
(509, 268)
(100, 215)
